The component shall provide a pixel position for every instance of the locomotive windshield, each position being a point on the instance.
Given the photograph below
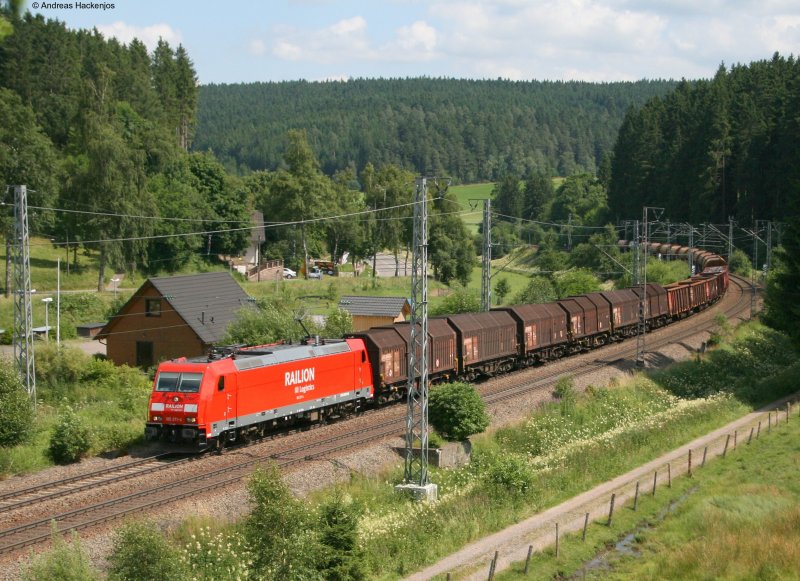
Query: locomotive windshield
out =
(176, 381)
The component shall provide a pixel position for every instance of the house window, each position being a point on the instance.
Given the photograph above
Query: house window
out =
(152, 307)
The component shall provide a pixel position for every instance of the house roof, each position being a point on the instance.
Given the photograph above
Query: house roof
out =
(208, 302)
(375, 306)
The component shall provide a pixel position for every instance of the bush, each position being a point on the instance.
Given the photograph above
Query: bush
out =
(342, 556)
(337, 324)
(16, 410)
(64, 561)
(456, 411)
(461, 300)
(141, 553)
(280, 530)
(565, 391)
(71, 439)
(59, 365)
(511, 471)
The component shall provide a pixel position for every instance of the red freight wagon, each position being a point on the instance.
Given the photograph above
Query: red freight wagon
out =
(205, 401)
(541, 330)
(678, 298)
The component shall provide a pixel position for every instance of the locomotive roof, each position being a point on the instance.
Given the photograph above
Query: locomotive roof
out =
(275, 354)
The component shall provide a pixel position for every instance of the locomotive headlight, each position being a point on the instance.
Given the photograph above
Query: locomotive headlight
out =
(156, 418)
(191, 420)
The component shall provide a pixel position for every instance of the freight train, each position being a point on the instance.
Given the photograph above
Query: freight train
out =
(239, 393)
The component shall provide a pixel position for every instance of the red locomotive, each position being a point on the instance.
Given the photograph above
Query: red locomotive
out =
(244, 392)
(239, 393)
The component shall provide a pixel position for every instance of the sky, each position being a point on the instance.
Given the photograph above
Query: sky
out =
(317, 40)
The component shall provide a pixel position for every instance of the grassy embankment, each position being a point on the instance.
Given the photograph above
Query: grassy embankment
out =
(736, 518)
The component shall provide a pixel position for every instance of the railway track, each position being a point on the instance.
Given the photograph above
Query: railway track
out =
(17, 499)
(152, 496)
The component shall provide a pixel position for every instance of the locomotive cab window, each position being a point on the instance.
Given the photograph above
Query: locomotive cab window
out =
(221, 383)
(183, 382)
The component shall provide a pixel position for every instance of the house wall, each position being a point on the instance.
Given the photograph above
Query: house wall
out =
(170, 335)
(364, 322)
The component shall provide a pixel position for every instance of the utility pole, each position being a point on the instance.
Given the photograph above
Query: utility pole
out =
(730, 238)
(769, 247)
(486, 280)
(691, 250)
(569, 233)
(415, 477)
(23, 310)
(643, 304)
(637, 257)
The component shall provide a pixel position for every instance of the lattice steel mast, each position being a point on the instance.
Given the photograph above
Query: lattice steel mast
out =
(486, 280)
(416, 466)
(23, 311)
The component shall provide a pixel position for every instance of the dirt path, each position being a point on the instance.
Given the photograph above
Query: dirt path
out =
(472, 562)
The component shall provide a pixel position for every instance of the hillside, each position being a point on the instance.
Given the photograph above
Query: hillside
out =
(470, 129)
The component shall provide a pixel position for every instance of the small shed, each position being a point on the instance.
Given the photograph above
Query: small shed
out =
(89, 330)
(175, 316)
(371, 312)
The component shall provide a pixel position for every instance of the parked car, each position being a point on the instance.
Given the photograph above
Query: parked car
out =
(314, 272)
(289, 273)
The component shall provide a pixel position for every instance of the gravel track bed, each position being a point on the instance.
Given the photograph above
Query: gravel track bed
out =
(231, 503)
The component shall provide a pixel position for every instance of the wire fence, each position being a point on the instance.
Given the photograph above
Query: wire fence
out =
(593, 511)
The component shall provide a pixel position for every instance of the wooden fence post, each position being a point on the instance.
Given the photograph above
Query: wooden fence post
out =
(727, 441)
(655, 476)
(787, 412)
(705, 452)
(636, 498)
(585, 525)
(735, 437)
(690, 463)
(669, 475)
(752, 430)
(769, 422)
(493, 566)
(528, 558)
(611, 509)
(758, 432)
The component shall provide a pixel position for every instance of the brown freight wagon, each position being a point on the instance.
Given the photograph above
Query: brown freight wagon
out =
(604, 326)
(583, 323)
(486, 343)
(624, 311)
(657, 307)
(541, 331)
(386, 350)
(441, 346)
